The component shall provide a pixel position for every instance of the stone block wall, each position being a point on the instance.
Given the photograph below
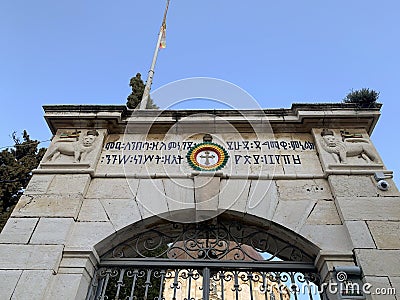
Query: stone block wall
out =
(74, 210)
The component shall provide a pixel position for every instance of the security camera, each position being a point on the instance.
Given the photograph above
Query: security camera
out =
(383, 185)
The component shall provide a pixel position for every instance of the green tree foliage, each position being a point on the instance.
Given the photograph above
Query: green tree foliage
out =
(137, 85)
(364, 98)
(16, 167)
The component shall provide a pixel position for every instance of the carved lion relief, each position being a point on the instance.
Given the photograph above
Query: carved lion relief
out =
(76, 145)
(348, 147)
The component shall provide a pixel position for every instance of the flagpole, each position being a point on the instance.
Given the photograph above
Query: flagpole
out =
(146, 93)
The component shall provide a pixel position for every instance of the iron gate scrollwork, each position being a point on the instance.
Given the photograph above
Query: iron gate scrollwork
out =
(210, 260)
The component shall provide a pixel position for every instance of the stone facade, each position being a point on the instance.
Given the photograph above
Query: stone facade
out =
(110, 172)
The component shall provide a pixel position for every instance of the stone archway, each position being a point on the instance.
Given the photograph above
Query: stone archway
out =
(222, 258)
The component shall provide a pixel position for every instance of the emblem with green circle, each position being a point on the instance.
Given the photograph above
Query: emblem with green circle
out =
(207, 157)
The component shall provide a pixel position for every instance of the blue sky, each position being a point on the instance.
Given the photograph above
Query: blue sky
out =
(84, 52)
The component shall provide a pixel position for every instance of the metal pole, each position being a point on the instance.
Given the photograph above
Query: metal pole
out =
(146, 93)
(206, 283)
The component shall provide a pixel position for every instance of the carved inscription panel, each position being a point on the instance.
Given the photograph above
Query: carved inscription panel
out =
(177, 154)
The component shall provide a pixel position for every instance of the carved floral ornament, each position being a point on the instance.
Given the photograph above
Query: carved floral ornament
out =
(351, 145)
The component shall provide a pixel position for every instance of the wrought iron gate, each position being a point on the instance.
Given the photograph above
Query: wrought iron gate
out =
(212, 260)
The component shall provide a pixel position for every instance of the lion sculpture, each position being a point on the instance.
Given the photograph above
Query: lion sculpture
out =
(350, 147)
(78, 149)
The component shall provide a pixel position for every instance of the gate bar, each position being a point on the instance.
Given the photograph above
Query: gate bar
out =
(212, 264)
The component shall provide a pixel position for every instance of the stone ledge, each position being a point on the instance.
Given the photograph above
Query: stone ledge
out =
(222, 176)
(64, 171)
(114, 117)
(68, 166)
(78, 261)
(357, 171)
(357, 167)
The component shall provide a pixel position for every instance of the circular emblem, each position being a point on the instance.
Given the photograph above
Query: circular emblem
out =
(207, 157)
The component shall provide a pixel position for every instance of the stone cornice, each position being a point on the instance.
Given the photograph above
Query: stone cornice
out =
(299, 118)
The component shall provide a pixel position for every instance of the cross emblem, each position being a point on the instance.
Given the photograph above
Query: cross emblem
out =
(207, 156)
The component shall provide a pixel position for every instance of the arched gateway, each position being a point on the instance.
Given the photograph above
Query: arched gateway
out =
(221, 204)
(223, 258)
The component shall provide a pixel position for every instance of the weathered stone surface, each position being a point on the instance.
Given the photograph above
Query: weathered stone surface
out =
(395, 281)
(52, 231)
(35, 257)
(379, 262)
(385, 234)
(350, 186)
(378, 288)
(49, 205)
(69, 184)
(180, 199)
(18, 230)
(68, 286)
(310, 164)
(112, 188)
(85, 235)
(293, 214)
(324, 212)
(8, 282)
(121, 212)
(332, 238)
(179, 193)
(92, 210)
(301, 189)
(206, 196)
(379, 209)
(32, 285)
(39, 184)
(263, 199)
(151, 198)
(360, 234)
(234, 194)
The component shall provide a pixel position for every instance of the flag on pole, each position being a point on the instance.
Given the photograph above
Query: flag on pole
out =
(163, 41)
